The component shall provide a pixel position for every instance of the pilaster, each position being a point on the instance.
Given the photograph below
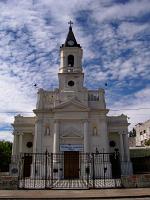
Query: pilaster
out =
(121, 147)
(20, 142)
(86, 136)
(38, 136)
(104, 133)
(15, 144)
(56, 137)
(126, 146)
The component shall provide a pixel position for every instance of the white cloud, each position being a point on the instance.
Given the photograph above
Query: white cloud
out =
(135, 106)
(121, 11)
(15, 95)
(6, 135)
(131, 29)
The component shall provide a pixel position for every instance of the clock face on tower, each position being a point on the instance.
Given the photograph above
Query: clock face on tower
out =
(70, 42)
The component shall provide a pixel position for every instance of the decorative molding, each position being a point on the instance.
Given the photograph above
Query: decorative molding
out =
(75, 103)
(71, 133)
(85, 121)
(41, 111)
(56, 120)
(22, 133)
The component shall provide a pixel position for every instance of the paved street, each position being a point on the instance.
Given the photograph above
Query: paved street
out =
(137, 193)
(147, 198)
(138, 198)
(132, 198)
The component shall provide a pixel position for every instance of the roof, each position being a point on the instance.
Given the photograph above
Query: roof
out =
(70, 37)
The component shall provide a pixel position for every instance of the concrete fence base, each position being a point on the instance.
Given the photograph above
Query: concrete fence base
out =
(8, 183)
(136, 181)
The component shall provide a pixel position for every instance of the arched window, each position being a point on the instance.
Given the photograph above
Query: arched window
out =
(70, 61)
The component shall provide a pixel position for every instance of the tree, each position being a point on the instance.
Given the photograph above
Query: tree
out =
(5, 155)
(132, 133)
(147, 143)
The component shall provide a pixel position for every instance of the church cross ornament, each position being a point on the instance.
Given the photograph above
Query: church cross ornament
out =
(70, 23)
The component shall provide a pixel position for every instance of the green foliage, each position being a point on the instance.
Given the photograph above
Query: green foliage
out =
(147, 143)
(132, 133)
(5, 155)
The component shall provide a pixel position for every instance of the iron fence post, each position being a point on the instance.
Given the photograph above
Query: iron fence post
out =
(88, 170)
(93, 165)
(51, 170)
(34, 170)
(46, 153)
(23, 166)
(19, 167)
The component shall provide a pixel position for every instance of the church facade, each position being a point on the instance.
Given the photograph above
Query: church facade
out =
(72, 118)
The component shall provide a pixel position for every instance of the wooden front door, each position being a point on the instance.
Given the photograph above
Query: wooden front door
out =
(71, 164)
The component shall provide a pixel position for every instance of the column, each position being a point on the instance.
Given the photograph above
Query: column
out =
(104, 133)
(126, 165)
(37, 147)
(86, 136)
(126, 147)
(121, 147)
(17, 143)
(14, 149)
(37, 166)
(20, 143)
(56, 137)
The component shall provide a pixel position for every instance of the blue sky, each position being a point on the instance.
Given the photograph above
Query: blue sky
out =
(115, 37)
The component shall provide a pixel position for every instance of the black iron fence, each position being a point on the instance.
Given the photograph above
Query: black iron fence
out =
(69, 170)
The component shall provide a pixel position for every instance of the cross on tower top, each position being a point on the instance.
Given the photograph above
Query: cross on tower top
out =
(70, 23)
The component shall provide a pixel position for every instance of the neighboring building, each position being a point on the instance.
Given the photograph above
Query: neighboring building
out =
(142, 133)
(132, 141)
(72, 118)
(140, 158)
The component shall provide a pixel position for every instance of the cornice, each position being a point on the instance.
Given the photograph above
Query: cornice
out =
(99, 110)
(77, 106)
(118, 124)
(24, 125)
(41, 111)
(66, 111)
(73, 73)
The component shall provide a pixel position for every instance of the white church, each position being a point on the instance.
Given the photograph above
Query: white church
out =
(72, 120)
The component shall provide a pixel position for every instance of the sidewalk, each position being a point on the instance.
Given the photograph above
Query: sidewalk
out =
(75, 194)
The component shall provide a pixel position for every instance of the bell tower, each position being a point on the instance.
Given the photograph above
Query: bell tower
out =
(70, 70)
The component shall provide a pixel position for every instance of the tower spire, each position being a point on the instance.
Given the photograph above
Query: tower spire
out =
(70, 40)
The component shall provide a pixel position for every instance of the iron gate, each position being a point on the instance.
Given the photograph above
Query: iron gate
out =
(69, 170)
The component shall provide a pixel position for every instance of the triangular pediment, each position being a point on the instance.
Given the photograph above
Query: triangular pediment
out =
(72, 105)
